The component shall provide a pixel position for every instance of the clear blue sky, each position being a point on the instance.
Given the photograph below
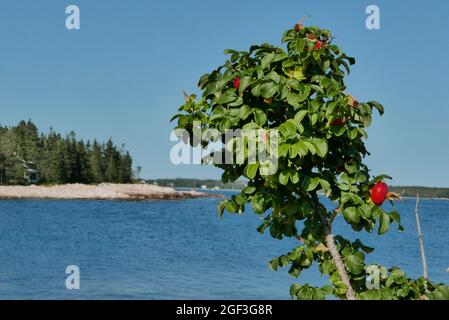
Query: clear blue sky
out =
(123, 73)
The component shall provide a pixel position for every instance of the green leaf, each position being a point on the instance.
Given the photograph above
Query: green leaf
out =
(220, 208)
(240, 199)
(373, 294)
(384, 223)
(327, 266)
(284, 176)
(299, 148)
(397, 218)
(365, 211)
(320, 147)
(294, 177)
(313, 118)
(354, 264)
(274, 264)
(250, 170)
(311, 183)
(232, 206)
(245, 111)
(273, 75)
(295, 99)
(382, 177)
(294, 288)
(225, 124)
(268, 89)
(267, 59)
(249, 190)
(352, 133)
(255, 90)
(288, 129)
(299, 116)
(227, 97)
(245, 82)
(284, 149)
(309, 146)
(440, 293)
(325, 185)
(351, 214)
(377, 105)
(258, 204)
(260, 117)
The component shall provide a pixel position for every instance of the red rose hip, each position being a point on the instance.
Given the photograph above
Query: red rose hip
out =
(337, 122)
(236, 83)
(379, 193)
(299, 26)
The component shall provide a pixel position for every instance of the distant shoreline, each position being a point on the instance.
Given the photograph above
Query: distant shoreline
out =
(105, 191)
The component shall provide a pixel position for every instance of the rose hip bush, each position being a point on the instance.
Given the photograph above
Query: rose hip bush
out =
(299, 91)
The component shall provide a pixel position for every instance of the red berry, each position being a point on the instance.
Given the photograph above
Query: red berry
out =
(379, 193)
(337, 122)
(299, 26)
(236, 83)
(318, 45)
(341, 169)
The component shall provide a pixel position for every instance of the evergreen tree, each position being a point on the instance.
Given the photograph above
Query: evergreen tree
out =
(59, 160)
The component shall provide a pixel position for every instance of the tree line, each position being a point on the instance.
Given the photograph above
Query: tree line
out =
(197, 183)
(404, 191)
(59, 159)
(424, 192)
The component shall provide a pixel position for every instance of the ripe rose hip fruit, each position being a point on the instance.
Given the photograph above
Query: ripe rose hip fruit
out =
(337, 122)
(299, 26)
(236, 83)
(341, 169)
(318, 45)
(379, 193)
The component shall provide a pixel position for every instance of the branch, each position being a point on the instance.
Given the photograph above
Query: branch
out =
(421, 242)
(330, 243)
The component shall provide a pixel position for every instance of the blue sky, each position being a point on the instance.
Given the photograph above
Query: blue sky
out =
(122, 74)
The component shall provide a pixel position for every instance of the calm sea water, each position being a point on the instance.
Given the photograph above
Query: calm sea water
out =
(176, 250)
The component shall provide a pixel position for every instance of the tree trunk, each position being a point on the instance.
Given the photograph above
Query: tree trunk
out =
(330, 243)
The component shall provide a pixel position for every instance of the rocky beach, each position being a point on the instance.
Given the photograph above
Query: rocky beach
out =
(104, 191)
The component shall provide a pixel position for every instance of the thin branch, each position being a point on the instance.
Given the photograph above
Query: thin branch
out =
(421, 242)
(330, 244)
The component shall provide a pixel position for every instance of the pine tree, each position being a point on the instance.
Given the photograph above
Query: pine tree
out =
(59, 160)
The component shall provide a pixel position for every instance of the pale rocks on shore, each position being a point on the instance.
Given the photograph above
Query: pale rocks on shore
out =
(104, 191)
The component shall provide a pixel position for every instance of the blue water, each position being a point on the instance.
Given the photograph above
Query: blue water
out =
(176, 250)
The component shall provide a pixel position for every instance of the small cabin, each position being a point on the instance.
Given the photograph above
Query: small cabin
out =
(31, 172)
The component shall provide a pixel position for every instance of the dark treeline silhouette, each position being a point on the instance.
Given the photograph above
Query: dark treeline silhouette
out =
(196, 183)
(27, 156)
(404, 191)
(424, 192)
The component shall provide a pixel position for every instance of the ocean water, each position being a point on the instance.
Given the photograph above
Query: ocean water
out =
(177, 250)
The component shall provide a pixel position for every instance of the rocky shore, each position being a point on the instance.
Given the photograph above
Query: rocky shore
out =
(105, 191)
